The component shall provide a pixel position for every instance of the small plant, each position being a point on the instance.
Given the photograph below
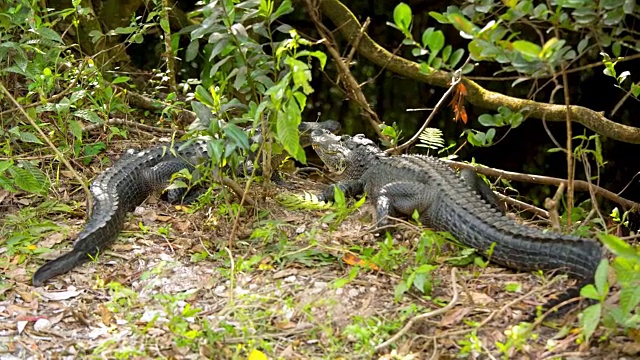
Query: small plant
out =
(342, 210)
(431, 138)
(440, 56)
(504, 117)
(626, 314)
(610, 70)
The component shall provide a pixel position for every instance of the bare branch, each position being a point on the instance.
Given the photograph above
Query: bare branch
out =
(545, 180)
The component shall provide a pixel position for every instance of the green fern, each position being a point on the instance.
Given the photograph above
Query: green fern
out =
(431, 138)
(301, 202)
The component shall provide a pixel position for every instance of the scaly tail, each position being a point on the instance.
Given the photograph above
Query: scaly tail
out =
(59, 266)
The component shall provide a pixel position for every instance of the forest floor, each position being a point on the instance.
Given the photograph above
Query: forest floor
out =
(297, 284)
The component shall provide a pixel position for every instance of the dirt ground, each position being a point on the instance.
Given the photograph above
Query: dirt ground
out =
(173, 286)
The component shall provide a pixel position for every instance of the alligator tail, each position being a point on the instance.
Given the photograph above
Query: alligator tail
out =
(59, 266)
(571, 293)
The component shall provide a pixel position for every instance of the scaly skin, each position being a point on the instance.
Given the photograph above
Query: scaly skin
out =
(400, 185)
(119, 189)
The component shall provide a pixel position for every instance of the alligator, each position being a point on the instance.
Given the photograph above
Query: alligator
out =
(125, 185)
(400, 185)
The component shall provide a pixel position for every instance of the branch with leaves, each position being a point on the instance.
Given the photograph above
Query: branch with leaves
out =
(349, 27)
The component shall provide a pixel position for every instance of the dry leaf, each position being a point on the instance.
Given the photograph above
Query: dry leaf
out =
(51, 240)
(163, 218)
(632, 349)
(454, 317)
(105, 315)
(25, 295)
(3, 195)
(481, 298)
(285, 325)
(351, 259)
(21, 325)
(182, 225)
(60, 295)
(42, 324)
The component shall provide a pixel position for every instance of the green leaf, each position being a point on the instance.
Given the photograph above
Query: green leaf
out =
(29, 138)
(616, 48)
(426, 36)
(461, 23)
(513, 287)
(49, 34)
(164, 24)
(400, 289)
(284, 8)
(590, 319)
(439, 17)
(204, 96)
(338, 197)
(528, 49)
(491, 133)
(238, 135)
(601, 278)
(241, 78)
(436, 41)
(487, 120)
(124, 30)
(215, 147)
(590, 292)
(88, 115)
(322, 57)
(29, 178)
(75, 129)
(421, 282)
(402, 16)
(287, 130)
(77, 95)
(619, 247)
(629, 298)
(5, 164)
(192, 50)
(120, 79)
(446, 53)
(583, 45)
(455, 58)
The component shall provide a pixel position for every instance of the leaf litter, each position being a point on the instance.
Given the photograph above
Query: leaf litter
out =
(282, 290)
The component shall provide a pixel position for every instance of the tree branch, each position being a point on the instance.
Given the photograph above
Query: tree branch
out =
(349, 27)
(545, 180)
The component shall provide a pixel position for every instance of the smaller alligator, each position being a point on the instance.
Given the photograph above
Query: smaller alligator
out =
(125, 185)
(400, 185)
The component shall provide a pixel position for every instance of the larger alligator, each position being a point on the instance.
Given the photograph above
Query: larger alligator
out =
(400, 185)
(135, 176)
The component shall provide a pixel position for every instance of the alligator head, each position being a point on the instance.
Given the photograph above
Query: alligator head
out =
(345, 154)
(306, 128)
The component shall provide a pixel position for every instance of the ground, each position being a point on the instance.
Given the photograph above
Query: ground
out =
(297, 284)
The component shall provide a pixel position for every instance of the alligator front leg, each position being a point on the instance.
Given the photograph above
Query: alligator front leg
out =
(350, 188)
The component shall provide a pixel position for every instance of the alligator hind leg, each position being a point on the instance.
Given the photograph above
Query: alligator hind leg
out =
(401, 198)
(476, 183)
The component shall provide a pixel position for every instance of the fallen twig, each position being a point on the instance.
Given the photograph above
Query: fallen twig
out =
(407, 327)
